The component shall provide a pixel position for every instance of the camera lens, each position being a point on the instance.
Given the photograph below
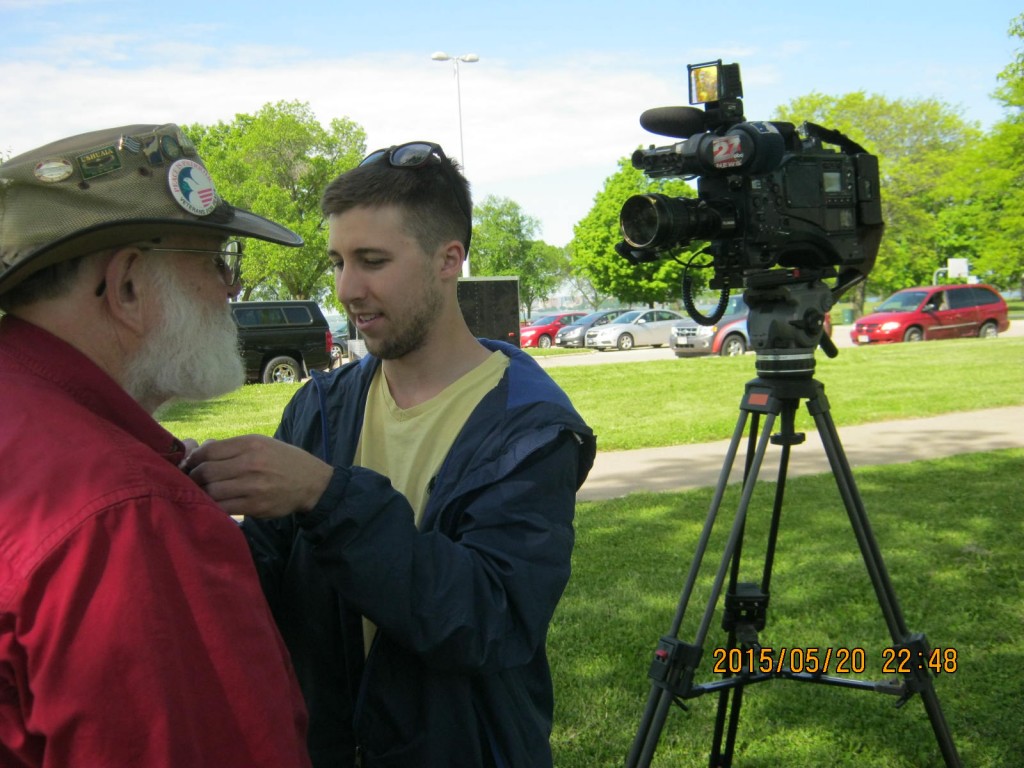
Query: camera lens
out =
(640, 221)
(659, 221)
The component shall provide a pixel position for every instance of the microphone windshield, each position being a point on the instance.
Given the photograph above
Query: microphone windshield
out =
(677, 122)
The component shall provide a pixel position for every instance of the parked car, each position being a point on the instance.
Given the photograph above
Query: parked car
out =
(339, 337)
(575, 335)
(541, 333)
(636, 328)
(727, 337)
(934, 312)
(282, 341)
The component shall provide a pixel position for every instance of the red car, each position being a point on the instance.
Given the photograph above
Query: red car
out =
(541, 332)
(934, 312)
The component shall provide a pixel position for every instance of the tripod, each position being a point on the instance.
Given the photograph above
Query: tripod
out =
(776, 393)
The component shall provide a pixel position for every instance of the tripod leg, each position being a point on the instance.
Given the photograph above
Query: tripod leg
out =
(661, 697)
(646, 741)
(922, 682)
(730, 701)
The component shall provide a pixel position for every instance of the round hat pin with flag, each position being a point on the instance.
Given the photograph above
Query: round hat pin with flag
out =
(192, 187)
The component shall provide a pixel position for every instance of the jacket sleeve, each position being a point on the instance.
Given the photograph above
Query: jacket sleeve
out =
(270, 541)
(480, 599)
(148, 643)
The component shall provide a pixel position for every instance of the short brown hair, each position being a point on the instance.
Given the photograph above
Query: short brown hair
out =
(435, 198)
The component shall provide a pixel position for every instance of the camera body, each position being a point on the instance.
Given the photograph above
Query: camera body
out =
(766, 196)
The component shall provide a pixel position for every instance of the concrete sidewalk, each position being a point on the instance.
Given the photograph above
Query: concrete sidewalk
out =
(677, 468)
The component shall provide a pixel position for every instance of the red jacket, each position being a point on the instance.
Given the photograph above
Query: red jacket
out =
(133, 631)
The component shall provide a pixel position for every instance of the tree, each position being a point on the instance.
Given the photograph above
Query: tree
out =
(277, 163)
(917, 142)
(504, 244)
(989, 210)
(1011, 90)
(594, 258)
(582, 285)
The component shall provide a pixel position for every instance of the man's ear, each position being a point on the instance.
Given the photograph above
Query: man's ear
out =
(454, 253)
(123, 299)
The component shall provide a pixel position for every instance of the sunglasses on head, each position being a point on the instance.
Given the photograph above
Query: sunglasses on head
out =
(416, 154)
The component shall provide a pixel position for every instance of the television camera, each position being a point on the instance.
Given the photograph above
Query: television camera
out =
(780, 213)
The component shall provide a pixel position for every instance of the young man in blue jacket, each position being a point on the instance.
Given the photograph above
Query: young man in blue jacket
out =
(414, 550)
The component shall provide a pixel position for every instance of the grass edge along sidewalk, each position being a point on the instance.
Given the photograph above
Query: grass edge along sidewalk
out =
(681, 467)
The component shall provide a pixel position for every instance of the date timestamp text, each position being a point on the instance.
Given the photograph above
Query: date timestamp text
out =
(822, 661)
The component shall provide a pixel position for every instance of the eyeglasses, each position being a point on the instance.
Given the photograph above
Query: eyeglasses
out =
(227, 260)
(417, 154)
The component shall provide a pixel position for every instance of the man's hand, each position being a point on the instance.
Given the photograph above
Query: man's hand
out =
(258, 476)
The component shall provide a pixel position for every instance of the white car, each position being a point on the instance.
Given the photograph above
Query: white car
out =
(636, 328)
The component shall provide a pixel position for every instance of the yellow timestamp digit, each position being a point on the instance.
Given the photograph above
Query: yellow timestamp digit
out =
(943, 660)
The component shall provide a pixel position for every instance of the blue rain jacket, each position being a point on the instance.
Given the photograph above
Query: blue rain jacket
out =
(458, 673)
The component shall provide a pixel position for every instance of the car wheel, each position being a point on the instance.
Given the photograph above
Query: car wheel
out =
(544, 342)
(913, 334)
(625, 342)
(282, 370)
(988, 330)
(732, 346)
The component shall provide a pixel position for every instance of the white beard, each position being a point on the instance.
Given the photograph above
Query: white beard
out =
(193, 355)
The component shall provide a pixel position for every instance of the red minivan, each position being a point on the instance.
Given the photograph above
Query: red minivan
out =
(934, 312)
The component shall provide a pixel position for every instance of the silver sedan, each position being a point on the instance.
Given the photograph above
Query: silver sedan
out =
(636, 328)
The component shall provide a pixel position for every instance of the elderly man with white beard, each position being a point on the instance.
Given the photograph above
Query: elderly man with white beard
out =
(132, 626)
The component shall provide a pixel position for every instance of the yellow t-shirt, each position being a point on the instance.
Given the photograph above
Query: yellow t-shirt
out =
(408, 446)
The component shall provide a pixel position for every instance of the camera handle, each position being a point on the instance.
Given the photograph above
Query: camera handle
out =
(675, 662)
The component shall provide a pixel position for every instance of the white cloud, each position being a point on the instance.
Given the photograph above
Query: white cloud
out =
(569, 120)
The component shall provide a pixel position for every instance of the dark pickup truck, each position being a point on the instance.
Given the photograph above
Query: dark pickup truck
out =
(282, 340)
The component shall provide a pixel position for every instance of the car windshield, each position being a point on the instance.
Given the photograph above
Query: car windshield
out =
(628, 317)
(592, 318)
(904, 301)
(545, 320)
(735, 306)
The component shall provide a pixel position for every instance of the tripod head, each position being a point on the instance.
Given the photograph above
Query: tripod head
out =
(787, 320)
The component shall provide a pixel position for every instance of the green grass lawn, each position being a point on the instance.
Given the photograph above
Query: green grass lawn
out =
(950, 532)
(677, 402)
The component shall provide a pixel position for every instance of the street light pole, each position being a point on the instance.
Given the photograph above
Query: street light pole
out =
(469, 58)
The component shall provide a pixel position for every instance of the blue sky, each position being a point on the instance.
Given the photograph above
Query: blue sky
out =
(548, 110)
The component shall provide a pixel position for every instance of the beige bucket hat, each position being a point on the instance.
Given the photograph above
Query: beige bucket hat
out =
(108, 188)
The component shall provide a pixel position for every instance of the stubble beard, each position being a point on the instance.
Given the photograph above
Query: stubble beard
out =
(411, 331)
(193, 355)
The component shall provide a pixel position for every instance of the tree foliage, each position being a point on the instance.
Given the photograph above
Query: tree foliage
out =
(948, 189)
(1011, 89)
(277, 163)
(504, 244)
(594, 258)
(917, 142)
(989, 209)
